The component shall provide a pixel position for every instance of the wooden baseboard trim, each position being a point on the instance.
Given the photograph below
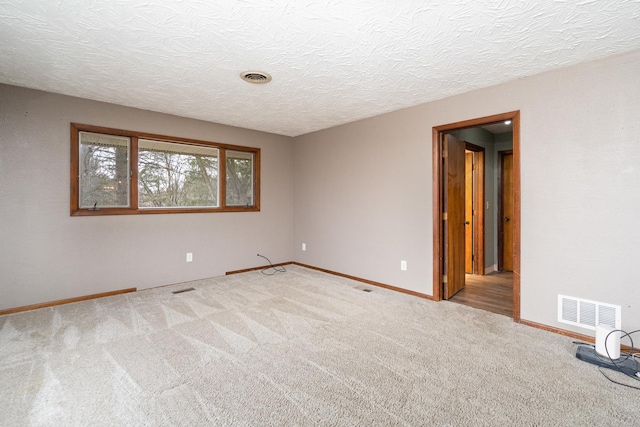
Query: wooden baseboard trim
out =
(580, 337)
(369, 282)
(559, 331)
(65, 301)
(335, 273)
(256, 268)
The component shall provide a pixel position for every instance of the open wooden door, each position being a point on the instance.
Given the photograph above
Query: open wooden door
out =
(469, 244)
(453, 215)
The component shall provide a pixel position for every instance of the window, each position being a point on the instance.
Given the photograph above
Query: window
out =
(176, 175)
(239, 178)
(104, 170)
(117, 172)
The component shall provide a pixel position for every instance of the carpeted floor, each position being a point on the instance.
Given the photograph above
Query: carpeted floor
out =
(299, 348)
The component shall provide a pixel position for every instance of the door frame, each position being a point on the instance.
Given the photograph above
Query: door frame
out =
(438, 233)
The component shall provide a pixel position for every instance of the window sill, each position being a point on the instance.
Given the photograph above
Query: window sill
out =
(147, 211)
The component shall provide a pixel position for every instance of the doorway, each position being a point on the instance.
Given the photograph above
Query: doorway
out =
(449, 220)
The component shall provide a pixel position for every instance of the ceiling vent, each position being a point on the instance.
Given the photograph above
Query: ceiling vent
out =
(257, 77)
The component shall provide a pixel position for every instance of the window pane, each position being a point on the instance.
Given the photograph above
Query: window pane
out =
(104, 170)
(176, 175)
(239, 178)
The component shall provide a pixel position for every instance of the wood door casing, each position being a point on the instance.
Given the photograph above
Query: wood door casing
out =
(439, 254)
(454, 227)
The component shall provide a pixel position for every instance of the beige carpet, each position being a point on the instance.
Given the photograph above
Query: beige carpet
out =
(298, 348)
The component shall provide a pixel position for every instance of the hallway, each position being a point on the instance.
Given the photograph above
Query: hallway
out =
(492, 292)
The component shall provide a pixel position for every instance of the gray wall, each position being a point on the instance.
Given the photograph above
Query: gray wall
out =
(46, 255)
(363, 196)
(359, 195)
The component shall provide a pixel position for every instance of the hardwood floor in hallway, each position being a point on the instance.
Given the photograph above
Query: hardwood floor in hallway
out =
(492, 292)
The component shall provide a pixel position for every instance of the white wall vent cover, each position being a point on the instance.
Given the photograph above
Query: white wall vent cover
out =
(587, 314)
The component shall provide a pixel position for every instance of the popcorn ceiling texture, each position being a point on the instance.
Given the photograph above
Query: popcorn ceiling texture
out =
(332, 62)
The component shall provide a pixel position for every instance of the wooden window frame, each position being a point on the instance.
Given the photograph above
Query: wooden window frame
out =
(133, 208)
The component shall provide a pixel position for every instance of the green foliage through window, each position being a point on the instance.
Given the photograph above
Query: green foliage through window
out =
(172, 175)
(122, 172)
(104, 171)
(239, 178)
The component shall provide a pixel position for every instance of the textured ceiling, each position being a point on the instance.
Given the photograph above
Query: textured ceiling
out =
(332, 61)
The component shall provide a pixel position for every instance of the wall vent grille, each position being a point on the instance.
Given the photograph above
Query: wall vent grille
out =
(183, 290)
(587, 314)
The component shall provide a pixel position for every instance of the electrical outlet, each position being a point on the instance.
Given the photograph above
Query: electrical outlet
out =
(189, 257)
(403, 265)
(304, 246)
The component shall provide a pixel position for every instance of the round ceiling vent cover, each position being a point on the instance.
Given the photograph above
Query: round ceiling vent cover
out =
(255, 77)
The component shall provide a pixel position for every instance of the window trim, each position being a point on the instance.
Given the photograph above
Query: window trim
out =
(133, 209)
